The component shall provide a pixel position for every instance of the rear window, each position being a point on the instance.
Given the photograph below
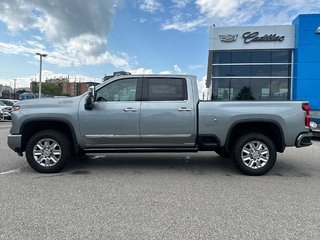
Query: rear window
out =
(167, 89)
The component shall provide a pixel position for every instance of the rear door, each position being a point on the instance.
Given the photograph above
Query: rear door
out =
(167, 115)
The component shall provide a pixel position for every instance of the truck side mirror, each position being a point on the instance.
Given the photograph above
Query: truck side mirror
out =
(90, 98)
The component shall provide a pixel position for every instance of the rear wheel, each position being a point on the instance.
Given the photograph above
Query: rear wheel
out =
(48, 151)
(254, 154)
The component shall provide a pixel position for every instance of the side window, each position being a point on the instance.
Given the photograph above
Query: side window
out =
(167, 89)
(121, 90)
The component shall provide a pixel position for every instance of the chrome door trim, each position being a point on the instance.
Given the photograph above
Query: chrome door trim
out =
(111, 136)
(166, 135)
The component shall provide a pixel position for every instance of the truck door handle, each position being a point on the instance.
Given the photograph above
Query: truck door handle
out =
(184, 109)
(130, 109)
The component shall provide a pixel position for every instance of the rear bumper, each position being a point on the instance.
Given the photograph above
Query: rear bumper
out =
(316, 132)
(14, 142)
(304, 140)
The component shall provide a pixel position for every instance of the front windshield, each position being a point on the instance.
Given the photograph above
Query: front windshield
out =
(2, 104)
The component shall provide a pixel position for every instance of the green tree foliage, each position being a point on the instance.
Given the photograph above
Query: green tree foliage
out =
(50, 89)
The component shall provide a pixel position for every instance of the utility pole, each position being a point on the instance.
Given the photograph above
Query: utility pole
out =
(14, 89)
(41, 56)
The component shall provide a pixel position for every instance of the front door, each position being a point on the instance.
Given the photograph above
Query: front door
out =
(114, 119)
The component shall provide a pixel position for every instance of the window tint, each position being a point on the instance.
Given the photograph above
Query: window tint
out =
(222, 57)
(240, 89)
(121, 90)
(261, 57)
(221, 71)
(261, 70)
(260, 88)
(167, 89)
(281, 70)
(221, 89)
(281, 56)
(241, 57)
(279, 89)
(240, 70)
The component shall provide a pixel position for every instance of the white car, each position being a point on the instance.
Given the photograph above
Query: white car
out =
(5, 111)
(9, 102)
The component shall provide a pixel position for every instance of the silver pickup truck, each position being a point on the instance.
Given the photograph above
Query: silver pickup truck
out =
(156, 113)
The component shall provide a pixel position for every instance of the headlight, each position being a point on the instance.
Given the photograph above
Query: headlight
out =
(16, 108)
(313, 125)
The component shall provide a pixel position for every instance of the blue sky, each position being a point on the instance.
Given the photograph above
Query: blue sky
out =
(88, 39)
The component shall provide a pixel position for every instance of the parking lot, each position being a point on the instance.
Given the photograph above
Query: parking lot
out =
(160, 196)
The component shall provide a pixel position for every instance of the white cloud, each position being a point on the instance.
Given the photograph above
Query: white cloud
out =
(141, 71)
(203, 91)
(150, 6)
(194, 67)
(253, 12)
(184, 26)
(73, 32)
(180, 3)
(177, 69)
(165, 72)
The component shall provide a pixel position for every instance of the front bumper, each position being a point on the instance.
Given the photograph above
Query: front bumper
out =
(304, 140)
(15, 143)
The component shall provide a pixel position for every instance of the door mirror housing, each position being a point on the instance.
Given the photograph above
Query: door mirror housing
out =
(91, 97)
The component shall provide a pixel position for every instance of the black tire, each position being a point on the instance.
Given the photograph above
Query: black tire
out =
(54, 154)
(254, 154)
(223, 153)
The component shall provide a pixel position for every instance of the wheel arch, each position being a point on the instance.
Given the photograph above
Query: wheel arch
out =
(271, 129)
(31, 127)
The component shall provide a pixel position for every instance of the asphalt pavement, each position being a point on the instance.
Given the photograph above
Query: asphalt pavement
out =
(160, 196)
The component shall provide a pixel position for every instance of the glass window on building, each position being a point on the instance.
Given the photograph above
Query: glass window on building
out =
(260, 88)
(259, 75)
(279, 89)
(240, 89)
(222, 89)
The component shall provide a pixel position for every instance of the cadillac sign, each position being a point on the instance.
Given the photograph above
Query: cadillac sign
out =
(249, 37)
(228, 37)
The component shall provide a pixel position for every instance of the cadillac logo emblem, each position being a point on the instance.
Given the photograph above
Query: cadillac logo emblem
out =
(318, 30)
(228, 37)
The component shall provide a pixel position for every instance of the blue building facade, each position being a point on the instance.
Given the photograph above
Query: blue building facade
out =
(306, 63)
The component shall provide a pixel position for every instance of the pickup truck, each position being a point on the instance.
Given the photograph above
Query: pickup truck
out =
(153, 113)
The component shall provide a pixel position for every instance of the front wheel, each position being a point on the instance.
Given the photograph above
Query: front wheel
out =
(48, 151)
(254, 154)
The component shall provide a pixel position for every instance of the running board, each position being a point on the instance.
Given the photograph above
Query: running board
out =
(126, 150)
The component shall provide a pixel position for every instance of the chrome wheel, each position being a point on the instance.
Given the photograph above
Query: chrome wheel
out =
(47, 152)
(255, 154)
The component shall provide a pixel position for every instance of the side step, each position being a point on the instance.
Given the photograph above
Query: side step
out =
(126, 150)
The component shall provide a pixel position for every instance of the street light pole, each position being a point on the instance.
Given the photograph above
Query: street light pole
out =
(14, 89)
(41, 55)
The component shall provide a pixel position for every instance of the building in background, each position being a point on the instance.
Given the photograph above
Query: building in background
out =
(65, 87)
(272, 63)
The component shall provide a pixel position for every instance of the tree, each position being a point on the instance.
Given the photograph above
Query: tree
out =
(50, 89)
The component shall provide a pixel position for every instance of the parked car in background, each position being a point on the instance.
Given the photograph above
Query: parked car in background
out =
(8, 102)
(315, 127)
(5, 111)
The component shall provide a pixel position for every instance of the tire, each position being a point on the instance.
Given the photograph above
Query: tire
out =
(48, 151)
(223, 153)
(254, 154)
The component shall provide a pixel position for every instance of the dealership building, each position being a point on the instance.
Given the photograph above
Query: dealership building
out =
(266, 63)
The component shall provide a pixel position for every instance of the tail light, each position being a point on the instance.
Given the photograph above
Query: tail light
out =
(306, 108)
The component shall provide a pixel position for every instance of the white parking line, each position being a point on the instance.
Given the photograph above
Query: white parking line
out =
(12, 171)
